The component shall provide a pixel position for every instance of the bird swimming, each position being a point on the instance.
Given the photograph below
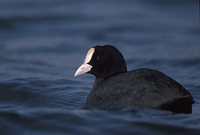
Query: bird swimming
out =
(116, 88)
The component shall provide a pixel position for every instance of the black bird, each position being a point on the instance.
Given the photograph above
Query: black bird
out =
(115, 87)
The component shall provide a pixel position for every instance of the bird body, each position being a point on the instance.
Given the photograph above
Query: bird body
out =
(142, 87)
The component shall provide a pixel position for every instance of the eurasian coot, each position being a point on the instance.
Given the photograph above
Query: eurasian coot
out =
(115, 88)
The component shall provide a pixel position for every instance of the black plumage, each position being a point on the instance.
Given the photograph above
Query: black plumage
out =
(116, 88)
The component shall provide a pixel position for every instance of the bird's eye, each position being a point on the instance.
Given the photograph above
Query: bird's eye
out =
(98, 58)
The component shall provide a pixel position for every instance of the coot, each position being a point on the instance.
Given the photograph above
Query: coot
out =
(116, 88)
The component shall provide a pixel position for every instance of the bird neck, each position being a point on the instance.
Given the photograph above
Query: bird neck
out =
(97, 81)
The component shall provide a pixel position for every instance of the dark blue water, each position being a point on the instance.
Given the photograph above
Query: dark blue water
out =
(43, 42)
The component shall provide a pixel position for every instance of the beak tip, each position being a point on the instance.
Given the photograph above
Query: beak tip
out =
(76, 74)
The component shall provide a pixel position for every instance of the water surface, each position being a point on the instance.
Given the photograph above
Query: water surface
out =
(42, 43)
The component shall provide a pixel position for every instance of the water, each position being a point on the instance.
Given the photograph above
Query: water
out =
(42, 43)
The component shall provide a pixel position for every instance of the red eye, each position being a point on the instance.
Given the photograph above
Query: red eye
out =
(98, 58)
